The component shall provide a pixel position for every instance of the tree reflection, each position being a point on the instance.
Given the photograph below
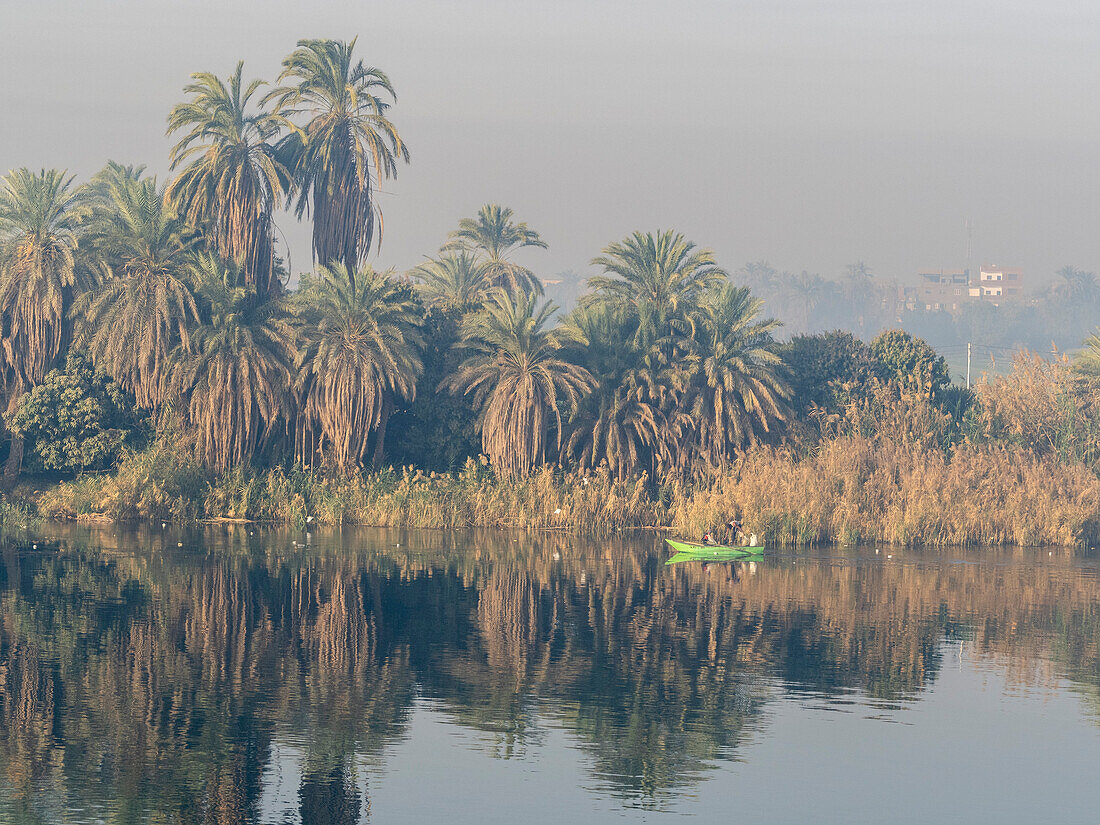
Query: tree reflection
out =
(137, 679)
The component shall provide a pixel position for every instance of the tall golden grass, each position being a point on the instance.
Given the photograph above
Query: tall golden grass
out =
(473, 497)
(850, 489)
(857, 489)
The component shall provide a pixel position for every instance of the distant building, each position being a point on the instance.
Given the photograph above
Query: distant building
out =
(943, 290)
(998, 284)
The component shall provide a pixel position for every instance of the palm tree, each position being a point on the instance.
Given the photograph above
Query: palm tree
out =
(737, 388)
(516, 375)
(1087, 361)
(1076, 286)
(493, 236)
(455, 281)
(630, 426)
(360, 350)
(658, 278)
(345, 149)
(232, 381)
(143, 307)
(40, 216)
(232, 181)
(805, 291)
(618, 423)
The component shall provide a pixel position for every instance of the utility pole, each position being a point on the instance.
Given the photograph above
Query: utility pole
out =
(968, 365)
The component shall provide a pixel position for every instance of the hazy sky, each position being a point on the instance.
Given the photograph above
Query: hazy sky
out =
(810, 134)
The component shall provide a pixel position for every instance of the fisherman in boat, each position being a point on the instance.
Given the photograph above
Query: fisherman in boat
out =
(708, 539)
(734, 534)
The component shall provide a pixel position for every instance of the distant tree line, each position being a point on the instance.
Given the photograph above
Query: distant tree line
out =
(1057, 315)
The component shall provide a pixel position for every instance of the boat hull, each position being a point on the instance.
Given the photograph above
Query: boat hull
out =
(692, 551)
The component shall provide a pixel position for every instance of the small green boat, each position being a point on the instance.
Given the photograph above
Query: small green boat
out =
(694, 551)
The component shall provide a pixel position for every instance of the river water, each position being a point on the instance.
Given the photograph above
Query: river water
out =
(239, 674)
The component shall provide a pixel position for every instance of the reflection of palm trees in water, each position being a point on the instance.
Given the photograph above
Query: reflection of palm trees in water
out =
(329, 797)
(182, 674)
(29, 698)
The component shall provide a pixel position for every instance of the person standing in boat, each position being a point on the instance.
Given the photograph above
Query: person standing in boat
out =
(734, 534)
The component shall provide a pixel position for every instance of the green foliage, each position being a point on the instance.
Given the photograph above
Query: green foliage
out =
(76, 419)
(231, 180)
(824, 368)
(437, 430)
(516, 375)
(909, 361)
(40, 216)
(233, 381)
(159, 482)
(491, 237)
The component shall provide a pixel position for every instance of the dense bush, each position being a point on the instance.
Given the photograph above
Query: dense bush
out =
(77, 419)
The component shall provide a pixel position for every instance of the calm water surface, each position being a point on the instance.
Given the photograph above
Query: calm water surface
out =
(408, 677)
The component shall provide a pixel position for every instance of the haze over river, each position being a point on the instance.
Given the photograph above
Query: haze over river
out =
(237, 674)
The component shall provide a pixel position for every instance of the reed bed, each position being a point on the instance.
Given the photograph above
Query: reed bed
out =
(857, 489)
(549, 498)
(848, 490)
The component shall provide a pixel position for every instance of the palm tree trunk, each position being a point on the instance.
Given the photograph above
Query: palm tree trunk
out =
(380, 434)
(13, 464)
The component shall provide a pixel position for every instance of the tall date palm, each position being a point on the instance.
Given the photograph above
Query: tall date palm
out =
(516, 374)
(231, 181)
(621, 423)
(233, 380)
(360, 350)
(659, 278)
(344, 150)
(455, 281)
(493, 236)
(143, 305)
(40, 217)
(737, 389)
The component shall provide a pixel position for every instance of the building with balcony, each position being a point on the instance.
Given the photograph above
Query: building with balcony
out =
(942, 290)
(998, 284)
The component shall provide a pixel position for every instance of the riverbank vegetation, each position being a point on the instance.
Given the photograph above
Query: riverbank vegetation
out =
(159, 362)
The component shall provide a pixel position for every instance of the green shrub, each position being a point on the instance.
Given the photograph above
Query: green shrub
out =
(77, 419)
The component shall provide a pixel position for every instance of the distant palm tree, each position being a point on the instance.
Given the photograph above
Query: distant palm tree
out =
(455, 281)
(494, 236)
(233, 381)
(40, 217)
(360, 349)
(232, 181)
(805, 291)
(737, 388)
(659, 278)
(143, 306)
(343, 152)
(516, 375)
(1077, 286)
(759, 276)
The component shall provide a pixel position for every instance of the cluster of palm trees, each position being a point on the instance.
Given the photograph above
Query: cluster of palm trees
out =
(664, 367)
(177, 293)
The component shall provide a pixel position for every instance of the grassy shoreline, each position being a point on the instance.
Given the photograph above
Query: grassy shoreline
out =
(850, 490)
